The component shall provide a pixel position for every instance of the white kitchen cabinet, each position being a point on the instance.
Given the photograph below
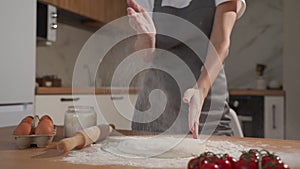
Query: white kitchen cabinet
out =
(117, 110)
(274, 117)
(17, 60)
(111, 109)
(57, 105)
(261, 112)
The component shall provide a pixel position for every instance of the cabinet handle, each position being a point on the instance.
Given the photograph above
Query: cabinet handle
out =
(116, 97)
(274, 116)
(69, 99)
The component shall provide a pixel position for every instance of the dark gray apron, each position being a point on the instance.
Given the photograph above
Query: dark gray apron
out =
(201, 14)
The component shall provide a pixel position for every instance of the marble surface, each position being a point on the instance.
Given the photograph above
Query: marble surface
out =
(60, 58)
(256, 38)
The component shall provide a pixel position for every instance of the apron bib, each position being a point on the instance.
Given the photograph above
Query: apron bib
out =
(174, 118)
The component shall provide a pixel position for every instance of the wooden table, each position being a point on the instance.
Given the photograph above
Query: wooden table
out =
(69, 90)
(39, 158)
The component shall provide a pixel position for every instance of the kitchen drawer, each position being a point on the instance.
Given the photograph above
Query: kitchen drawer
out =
(57, 105)
(260, 116)
(12, 115)
(116, 109)
(111, 109)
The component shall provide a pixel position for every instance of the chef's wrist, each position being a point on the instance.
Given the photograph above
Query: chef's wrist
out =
(145, 41)
(203, 90)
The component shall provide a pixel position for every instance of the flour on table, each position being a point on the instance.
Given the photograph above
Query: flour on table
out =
(133, 151)
(156, 147)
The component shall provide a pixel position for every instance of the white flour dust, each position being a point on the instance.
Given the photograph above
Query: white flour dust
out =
(113, 152)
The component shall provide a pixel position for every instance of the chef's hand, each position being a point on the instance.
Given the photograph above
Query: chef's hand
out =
(194, 97)
(143, 24)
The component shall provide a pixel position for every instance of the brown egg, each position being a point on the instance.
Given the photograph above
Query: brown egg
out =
(27, 119)
(44, 127)
(46, 117)
(23, 128)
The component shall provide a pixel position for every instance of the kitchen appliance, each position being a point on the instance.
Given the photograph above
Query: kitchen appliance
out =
(250, 112)
(17, 60)
(46, 22)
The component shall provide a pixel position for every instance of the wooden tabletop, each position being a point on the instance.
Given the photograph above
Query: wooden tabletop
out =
(253, 92)
(40, 158)
(69, 90)
(115, 90)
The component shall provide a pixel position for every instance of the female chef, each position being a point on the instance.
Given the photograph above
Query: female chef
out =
(216, 19)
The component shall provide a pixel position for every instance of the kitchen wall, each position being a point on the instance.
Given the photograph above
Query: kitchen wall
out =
(59, 58)
(256, 38)
(291, 67)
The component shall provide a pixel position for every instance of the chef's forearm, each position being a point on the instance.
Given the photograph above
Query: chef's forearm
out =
(147, 42)
(224, 21)
(212, 66)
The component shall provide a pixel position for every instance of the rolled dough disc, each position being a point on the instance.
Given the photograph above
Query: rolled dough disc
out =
(157, 147)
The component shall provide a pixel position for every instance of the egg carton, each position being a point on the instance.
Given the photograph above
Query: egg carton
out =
(25, 141)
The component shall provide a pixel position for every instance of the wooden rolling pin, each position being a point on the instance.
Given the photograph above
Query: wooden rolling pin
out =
(84, 138)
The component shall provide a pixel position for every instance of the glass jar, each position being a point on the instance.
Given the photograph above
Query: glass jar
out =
(78, 118)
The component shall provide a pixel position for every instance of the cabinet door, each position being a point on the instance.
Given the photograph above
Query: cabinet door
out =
(17, 52)
(100, 10)
(12, 115)
(54, 106)
(116, 109)
(274, 117)
(57, 105)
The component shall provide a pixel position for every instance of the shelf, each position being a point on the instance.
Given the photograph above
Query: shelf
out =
(252, 92)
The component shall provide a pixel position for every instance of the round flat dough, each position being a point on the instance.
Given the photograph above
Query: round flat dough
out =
(157, 147)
